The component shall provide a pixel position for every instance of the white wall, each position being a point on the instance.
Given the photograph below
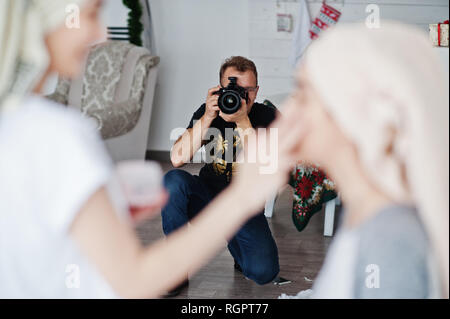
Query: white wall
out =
(114, 13)
(271, 51)
(193, 37)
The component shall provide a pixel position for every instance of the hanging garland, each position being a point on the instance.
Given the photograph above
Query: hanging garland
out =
(135, 26)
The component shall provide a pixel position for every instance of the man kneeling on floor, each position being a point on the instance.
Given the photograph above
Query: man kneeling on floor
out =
(253, 248)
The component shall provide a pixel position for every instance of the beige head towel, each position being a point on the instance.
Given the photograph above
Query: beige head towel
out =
(23, 54)
(383, 85)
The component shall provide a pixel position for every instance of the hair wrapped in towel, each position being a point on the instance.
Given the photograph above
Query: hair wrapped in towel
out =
(23, 53)
(387, 91)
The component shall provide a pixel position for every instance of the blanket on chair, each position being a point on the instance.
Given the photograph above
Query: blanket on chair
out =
(312, 189)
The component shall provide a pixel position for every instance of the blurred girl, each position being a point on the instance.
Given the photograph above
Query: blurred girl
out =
(375, 110)
(60, 235)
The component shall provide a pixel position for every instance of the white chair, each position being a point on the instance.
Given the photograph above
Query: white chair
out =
(269, 207)
(330, 208)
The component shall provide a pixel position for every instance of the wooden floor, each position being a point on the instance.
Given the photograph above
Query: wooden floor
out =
(301, 255)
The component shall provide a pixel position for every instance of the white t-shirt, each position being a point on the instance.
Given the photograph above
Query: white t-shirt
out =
(51, 161)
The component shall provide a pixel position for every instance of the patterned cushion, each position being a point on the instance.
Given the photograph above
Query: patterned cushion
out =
(61, 93)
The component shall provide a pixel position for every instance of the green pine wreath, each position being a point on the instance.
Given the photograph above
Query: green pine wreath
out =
(135, 26)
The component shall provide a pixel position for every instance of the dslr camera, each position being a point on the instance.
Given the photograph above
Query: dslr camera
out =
(230, 97)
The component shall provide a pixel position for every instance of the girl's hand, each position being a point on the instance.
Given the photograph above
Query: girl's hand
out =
(268, 157)
(141, 183)
(141, 213)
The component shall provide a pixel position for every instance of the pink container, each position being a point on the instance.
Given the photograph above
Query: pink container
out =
(141, 182)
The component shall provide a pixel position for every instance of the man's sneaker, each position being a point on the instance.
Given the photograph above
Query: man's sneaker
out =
(177, 290)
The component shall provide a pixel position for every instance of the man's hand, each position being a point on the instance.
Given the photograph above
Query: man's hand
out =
(212, 109)
(240, 117)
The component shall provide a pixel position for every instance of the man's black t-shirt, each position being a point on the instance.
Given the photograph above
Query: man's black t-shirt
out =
(222, 139)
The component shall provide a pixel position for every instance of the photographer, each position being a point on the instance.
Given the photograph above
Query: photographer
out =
(253, 248)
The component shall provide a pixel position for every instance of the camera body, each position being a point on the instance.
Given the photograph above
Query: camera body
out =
(230, 97)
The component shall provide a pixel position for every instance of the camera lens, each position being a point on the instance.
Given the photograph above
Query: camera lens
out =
(229, 102)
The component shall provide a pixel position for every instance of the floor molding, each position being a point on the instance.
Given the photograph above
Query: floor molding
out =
(162, 156)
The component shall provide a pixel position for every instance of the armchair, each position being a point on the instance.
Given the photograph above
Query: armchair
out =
(116, 89)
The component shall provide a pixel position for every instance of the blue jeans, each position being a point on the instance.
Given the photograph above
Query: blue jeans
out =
(253, 247)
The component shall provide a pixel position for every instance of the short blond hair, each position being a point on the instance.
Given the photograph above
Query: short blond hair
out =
(241, 64)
